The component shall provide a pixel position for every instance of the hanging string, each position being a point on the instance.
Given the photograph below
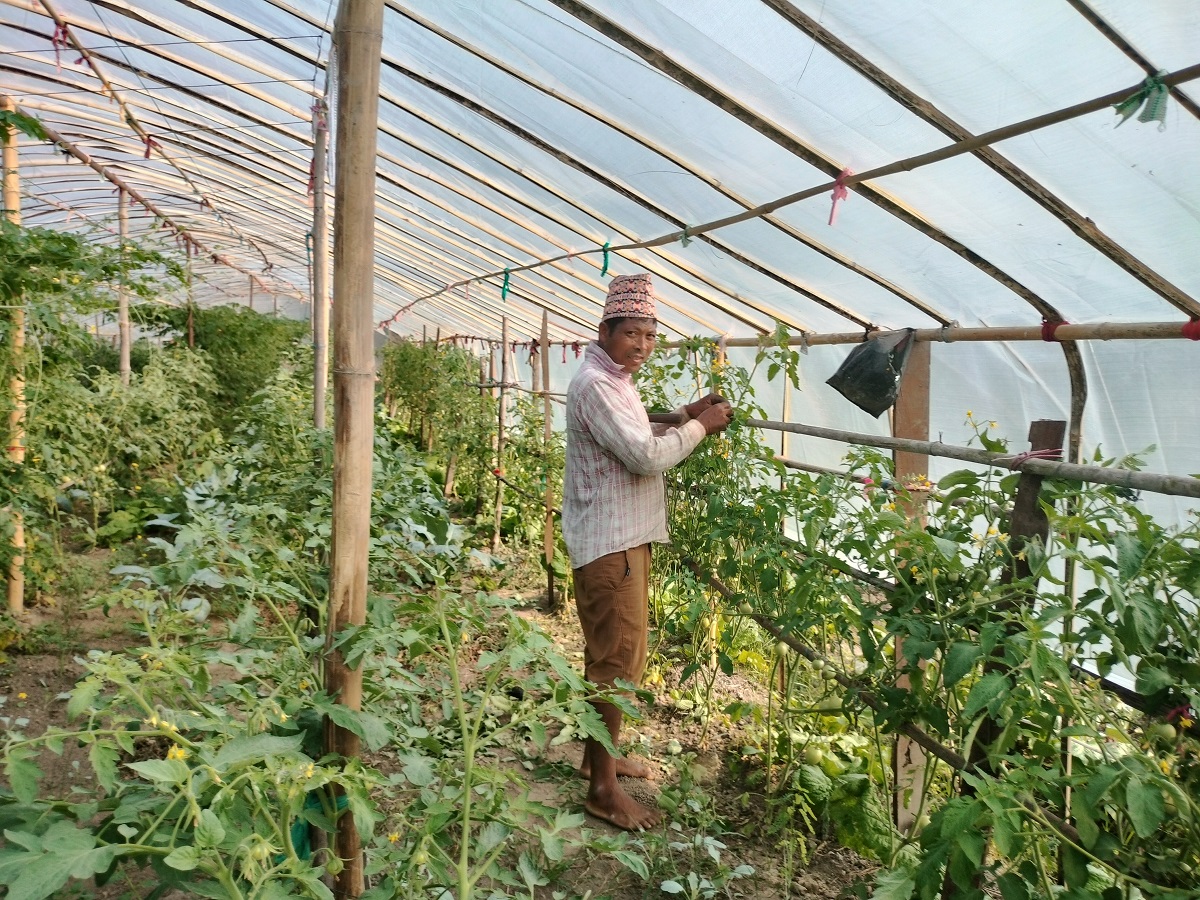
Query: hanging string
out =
(604, 268)
(1153, 94)
(504, 287)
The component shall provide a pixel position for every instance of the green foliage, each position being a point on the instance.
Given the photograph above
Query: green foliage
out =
(432, 396)
(243, 347)
(215, 781)
(29, 126)
(838, 565)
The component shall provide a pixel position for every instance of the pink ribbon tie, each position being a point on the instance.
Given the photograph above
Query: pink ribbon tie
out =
(840, 192)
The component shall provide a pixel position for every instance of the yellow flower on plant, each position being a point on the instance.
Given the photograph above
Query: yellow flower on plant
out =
(934, 571)
(993, 425)
(1165, 765)
(22, 696)
(308, 772)
(177, 753)
(1185, 722)
(283, 717)
(304, 684)
(393, 837)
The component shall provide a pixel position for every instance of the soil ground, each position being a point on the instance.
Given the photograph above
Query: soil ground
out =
(34, 685)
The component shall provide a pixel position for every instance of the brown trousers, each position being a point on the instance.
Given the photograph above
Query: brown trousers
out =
(612, 594)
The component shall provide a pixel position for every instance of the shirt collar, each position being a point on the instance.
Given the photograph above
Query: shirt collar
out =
(597, 355)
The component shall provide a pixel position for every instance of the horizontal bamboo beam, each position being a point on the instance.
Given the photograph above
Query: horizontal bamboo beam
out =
(1176, 485)
(955, 334)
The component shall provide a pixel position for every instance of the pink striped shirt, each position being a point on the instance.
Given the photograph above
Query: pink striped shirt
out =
(613, 496)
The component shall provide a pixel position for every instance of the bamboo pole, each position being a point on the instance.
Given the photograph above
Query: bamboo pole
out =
(1177, 485)
(910, 419)
(320, 297)
(252, 293)
(1100, 331)
(910, 100)
(16, 418)
(500, 432)
(358, 39)
(547, 432)
(123, 329)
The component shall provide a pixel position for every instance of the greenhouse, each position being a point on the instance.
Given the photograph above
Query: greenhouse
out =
(576, 449)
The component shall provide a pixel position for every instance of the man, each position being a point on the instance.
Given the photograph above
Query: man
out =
(614, 507)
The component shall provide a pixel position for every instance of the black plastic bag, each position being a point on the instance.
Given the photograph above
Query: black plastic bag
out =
(870, 376)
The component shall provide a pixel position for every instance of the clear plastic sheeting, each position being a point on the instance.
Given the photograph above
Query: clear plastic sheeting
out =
(516, 130)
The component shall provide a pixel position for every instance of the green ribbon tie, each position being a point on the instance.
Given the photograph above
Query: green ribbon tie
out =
(1151, 98)
(604, 268)
(504, 287)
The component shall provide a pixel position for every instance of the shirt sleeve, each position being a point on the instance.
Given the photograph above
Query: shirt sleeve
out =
(660, 429)
(615, 424)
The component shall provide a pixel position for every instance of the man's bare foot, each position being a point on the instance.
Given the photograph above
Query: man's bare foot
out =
(627, 767)
(618, 808)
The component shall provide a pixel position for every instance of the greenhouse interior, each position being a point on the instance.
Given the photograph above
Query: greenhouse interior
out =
(351, 348)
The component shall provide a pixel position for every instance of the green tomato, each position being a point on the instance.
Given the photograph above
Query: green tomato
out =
(1163, 731)
(745, 609)
(781, 649)
(420, 858)
(813, 755)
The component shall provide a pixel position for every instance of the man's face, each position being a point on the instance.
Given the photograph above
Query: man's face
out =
(630, 343)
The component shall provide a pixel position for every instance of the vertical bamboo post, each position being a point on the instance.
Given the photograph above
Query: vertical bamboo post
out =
(910, 419)
(274, 304)
(1027, 522)
(191, 303)
(320, 288)
(123, 329)
(16, 419)
(547, 434)
(500, 433)
(252, 293)
(358, 38)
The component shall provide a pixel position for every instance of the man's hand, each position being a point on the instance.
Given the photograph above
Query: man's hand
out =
(699, 406)
(716, 418)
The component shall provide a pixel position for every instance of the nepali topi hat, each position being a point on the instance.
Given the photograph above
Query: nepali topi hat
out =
(630, 297)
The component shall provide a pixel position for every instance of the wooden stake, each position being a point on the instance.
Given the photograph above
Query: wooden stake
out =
(500, 433)
(251, 293)
(552, 604)
(320, 288)
(123, 330)
(910, 419)
(16, 418)
(358, 37)
(1028, 522)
